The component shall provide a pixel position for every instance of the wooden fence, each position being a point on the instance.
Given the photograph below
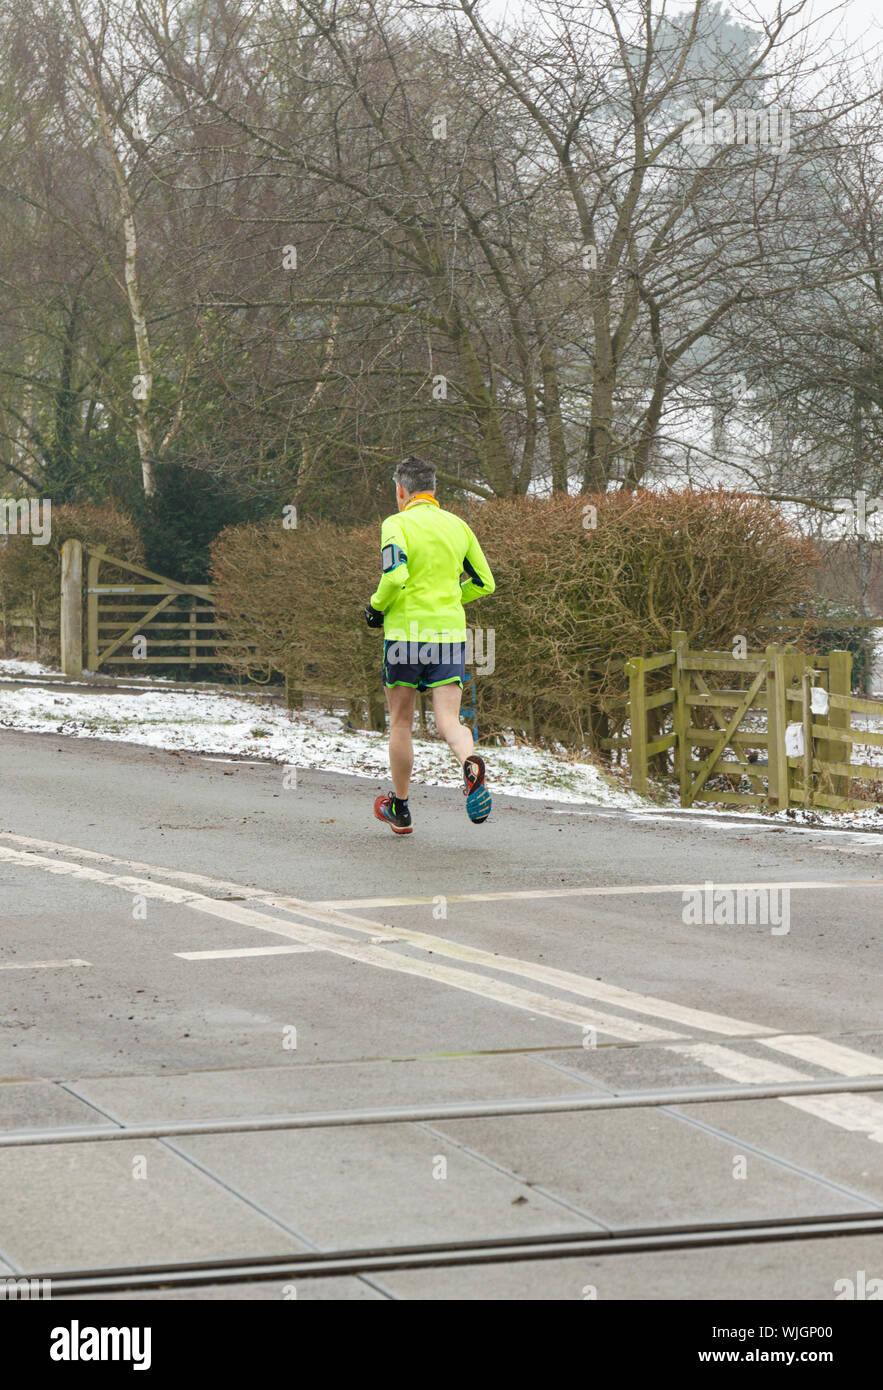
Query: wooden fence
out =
(825, 775)
(771, 728)
(28, 619)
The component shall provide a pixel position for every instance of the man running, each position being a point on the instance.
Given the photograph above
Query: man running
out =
(432, 565)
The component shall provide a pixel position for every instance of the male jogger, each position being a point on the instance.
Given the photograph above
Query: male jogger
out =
(432, 565)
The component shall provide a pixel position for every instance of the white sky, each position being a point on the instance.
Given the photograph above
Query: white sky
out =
(861, 21)
(858, 22)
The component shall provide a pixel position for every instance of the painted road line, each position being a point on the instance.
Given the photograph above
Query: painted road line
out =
(858, 1113)
(844, 1060)
(737, 1066)
(683, 1015)
(594, 891)
(40, 964)
(441, 946)
(497, 991)
(329, 909)
(847, 1112)
(247, 951)
(703, 1020)
(244, 891)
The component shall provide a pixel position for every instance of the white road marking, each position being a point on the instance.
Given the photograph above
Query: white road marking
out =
(590, 891)
(437, 945)
(694, 816)
(40, 964)
(737, 1066)
(560, 979)
(247, 951)
(844, 1060)
(858, 1113)
(497, 990)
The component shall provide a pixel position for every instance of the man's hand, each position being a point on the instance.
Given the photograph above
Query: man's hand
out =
(373, 616)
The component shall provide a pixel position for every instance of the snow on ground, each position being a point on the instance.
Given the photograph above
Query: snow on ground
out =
(228, 725)
(165, 714)
(24, 668)
(871, 818)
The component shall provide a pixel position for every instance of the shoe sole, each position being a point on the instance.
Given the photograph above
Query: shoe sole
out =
(396, 830)
(477, 793)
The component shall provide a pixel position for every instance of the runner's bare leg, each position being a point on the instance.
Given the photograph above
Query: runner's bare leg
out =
(402, 702)
(446, 708)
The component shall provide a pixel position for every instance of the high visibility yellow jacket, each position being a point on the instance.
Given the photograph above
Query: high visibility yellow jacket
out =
(432, 565)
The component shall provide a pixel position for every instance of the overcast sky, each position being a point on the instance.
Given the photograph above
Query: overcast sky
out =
(859, 23)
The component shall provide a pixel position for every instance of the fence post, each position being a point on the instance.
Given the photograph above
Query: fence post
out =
(832, 750)
(777, 720)
(71, 622)
(92, 571)
(806, 711)
(681, 718)
(638, 721)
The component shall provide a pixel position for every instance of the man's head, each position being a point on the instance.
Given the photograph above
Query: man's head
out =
(413, 475)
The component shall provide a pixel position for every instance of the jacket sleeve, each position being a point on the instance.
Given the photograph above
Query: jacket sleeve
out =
(394, 563)
(479, 581)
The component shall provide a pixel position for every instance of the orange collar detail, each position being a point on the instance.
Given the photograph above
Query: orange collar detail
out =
(420, 497)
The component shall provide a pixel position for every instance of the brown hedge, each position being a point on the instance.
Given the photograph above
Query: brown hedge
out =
(573, 597)
(30, 574)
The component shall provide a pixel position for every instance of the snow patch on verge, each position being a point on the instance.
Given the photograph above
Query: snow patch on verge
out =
(205, 722)
(26, 668)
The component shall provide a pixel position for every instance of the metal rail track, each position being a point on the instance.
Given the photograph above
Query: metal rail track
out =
(557, 1105)
(335, 1263)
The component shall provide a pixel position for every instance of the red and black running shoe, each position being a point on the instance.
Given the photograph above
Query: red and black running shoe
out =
(395, 812)
(478, 798)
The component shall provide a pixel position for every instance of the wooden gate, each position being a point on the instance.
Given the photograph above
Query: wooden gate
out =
(133, 616)
(764, 694)
(160, 622)
(750, 730)
(748, 688)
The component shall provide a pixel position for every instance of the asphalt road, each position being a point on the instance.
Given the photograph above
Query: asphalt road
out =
(188, 940)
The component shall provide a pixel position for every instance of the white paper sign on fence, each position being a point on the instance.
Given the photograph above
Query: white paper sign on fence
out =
(818, 700)
(794, 740)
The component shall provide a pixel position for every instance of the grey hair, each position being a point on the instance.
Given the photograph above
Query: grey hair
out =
(415, 474)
